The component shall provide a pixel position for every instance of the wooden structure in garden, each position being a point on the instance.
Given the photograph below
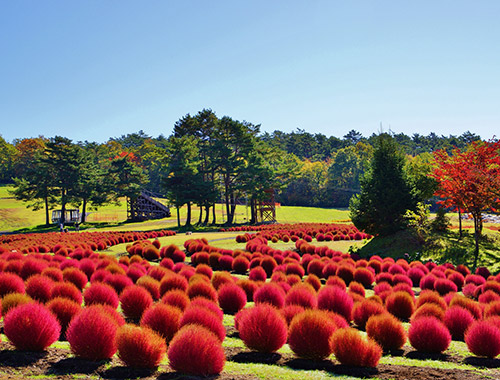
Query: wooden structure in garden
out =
(71, 216)
(145, 207)
(266, 208)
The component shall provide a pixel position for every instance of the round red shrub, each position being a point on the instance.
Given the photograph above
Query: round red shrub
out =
(67, 290)
(346, 273)
(351, 348)
(257, 274)
(10, 283)
(444, 286)
(483, 339)
(249, 287)
(199, 315)
(31, 267)
(290, 311)
(270, 293)
(91, 334)
(302, 295)
(364, 276)
(362, 311)
(429, 309)
(492, 309)
(151, 285)
(65, 310)
(231, 298)
(468, 304)
(140, 347)
(164, 319)
(39, 287)
(262, 328)
(173, 281)
(53, 273)
(31, 327)
(176, 298)
(118, 281)
(134, 300)
(333, 298)
(241, 265)
(75, 276)
(387, 331)
(100, 293)
(202, 289)
(310, 333)
(195, 350)
(428, 334)
(12, 300)
(457, 320)
(207, 304)
(400, 304)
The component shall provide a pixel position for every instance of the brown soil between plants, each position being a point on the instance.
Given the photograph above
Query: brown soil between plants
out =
(61, 364)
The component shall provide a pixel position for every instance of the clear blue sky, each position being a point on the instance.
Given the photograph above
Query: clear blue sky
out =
(90, 70)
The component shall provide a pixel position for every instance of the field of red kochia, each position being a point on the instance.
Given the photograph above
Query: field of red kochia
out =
(150, 302)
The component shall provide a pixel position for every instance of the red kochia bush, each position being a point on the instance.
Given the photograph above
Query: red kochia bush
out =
(75, 276)
(310, 333)
(428, 334)
(196, 351)
(31, 327)
(10, 283)
(351, 348)
(302, 295)
(91, 334)
(400, 304)
(202, 289)
(457, 320)
(176, 298)
(100, 293)
(262, 328)
(172, 282)
(140, 347)
(164, 319)
(333, 298)
(364, 310)
(64, 309)
(231, 298)
(39, 287)
(364, 276)
(203, 316)
(387, 331)
(134, 300)
(257, 274)
(66, 290)
(483, 339)
(270, 293)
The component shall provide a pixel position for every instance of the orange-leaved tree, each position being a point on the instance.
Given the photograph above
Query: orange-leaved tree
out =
(469, 180)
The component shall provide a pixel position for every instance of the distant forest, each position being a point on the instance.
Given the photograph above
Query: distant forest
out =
(209, 159)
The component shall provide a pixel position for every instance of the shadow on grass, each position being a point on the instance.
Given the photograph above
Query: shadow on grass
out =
(126, 373)
(427, 356)
(256, 357)
(179, 376)
(329, 366)
(15, 358)
(482, 362)
(75, 366)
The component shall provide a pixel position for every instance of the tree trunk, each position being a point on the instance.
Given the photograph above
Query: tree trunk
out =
(214, 218)
(47, 219)
(477, 235)
(178, 217)
(188, 216)
(253, 215)
(84, 211)
(63, 207)
(233, 208)
(227, 206)
(207, 215)
(460, 234)
(201, 215)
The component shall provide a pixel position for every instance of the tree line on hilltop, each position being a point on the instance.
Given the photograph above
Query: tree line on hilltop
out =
(207, 160)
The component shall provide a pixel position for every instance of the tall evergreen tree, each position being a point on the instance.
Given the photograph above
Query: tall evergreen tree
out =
(385, 191)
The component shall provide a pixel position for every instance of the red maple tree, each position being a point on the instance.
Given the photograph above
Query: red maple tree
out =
(469, 180)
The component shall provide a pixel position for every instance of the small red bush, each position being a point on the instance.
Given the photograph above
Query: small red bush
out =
(196, 351)
(176, 298)
(310, 333)
(100, 293)
(483, 339)
(241, 265)
(262, 328)
(429, 310)
(39, 287)
(207, 304)
(400, 304)
(91, 334)
(270, 293)
(302, 295)
(65, 310)
(202, 289)
(171, 282)
(457, 320)
(134, 300)
(151, 285)
(66, 290)
(76, 277)
(201, 316)
(468, 304)
(351, 348)
(290, 311)
(257, 274)
(164, 319)
(118, 281)
(428, 334)
(387, 331)
(140, 347)
(10, 283)
(362, 311)
(12, 300)
(333, 298)
(231, 298)
(444, 286)
(31, 327)
(364, 276)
